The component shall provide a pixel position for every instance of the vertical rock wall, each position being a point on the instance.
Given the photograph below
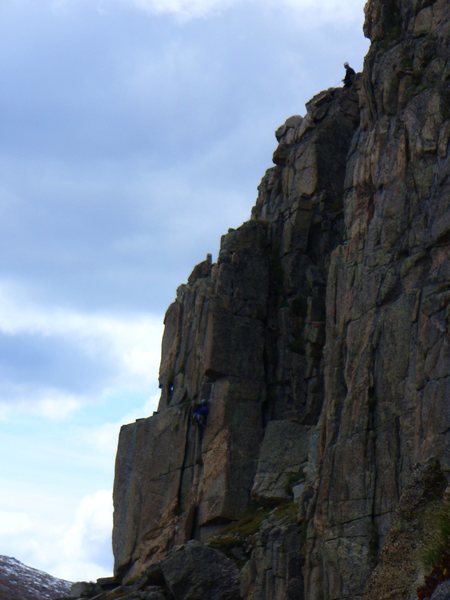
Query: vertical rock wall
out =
(319, 340)
(387, 354)
(246, 334)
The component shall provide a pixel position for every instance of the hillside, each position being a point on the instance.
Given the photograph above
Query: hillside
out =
(19, 582)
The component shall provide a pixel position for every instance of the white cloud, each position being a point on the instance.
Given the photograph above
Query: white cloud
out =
(78, 570)
(47, 404)
(184, 8)
(14, 523)
(56, 407)
(66, 537)
(53, 405)
(336, 7)
(130, 343)
(76, 549)
(5, 411)
(88, 540)
(134, 339)
(325, 11)
(103, 438)
(31, 526)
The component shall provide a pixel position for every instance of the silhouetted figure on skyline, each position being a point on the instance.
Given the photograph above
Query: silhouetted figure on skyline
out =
(349, 75)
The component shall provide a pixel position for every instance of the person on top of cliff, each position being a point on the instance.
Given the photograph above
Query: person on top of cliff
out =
(349, 75)
(200, 415)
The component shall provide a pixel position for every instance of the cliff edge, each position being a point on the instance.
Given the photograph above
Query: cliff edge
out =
(319, 341)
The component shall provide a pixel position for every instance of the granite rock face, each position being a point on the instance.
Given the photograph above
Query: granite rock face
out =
(320, 342)
(282, 458)
(195, 572)
(387, 351)
(251, 348)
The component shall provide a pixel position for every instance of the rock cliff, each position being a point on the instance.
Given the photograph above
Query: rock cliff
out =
(320, 343)
(246, 334)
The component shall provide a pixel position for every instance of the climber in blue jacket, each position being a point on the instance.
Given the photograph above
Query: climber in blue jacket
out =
(200, 415)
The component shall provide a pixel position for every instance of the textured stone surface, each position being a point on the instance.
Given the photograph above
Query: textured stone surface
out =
(282, 458)
(273, 569)
(442, 592)
(195, 572)
(387, 361)
(246, 334)
(148, 479)
(320, 341)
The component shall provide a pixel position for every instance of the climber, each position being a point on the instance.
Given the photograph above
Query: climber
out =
(349, 75)
(200, 415)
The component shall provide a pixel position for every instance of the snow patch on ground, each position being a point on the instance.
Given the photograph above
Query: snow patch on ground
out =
(19, 582)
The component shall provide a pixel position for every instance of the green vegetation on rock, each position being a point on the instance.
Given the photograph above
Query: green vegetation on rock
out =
(437, 536)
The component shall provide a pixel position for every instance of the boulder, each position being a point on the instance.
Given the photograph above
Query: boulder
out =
(196, 572)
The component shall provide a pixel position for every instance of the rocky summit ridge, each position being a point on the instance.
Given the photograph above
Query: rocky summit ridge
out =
(320, 342)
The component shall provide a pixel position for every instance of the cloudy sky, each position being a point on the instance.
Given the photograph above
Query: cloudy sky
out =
(133, 134)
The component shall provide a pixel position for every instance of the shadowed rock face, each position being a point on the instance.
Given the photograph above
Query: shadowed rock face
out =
(320, 341)
(195, 571)
(387, 352)
(246, 334)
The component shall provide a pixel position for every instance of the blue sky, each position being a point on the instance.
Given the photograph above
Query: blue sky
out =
(134, 134)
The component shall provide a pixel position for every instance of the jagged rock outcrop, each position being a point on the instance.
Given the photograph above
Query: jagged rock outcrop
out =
(320, 341)
(246, 334)
(20, 582)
